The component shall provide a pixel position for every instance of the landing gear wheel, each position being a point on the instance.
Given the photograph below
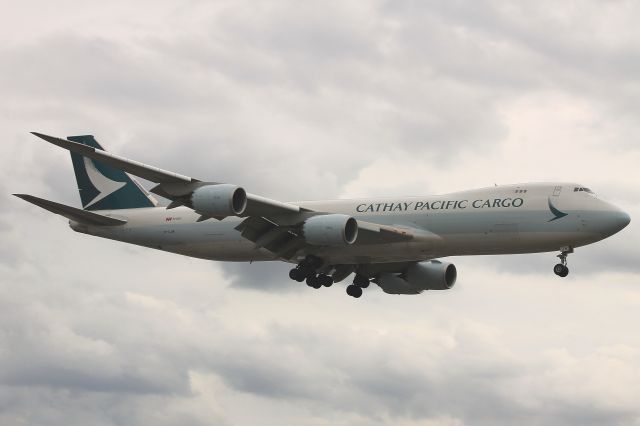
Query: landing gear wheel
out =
(325, 280)
(561, 270)
(361, 281)
(293, 274)
(314, 282)
(354, 291)
(297, 274)
(307, 269)
(558, 269)
(305, 272)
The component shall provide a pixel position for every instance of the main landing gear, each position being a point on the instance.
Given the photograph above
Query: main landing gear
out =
(359, 282)
(306, 270)
(561, 268)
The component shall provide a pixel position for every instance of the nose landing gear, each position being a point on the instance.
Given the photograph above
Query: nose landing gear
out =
(561, 268)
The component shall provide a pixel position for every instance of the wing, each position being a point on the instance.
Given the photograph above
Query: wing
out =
(270, 224)
(144, 171)
(173, 186)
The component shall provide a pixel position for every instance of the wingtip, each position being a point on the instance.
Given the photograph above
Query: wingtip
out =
(45, 137)
(41, 135)
(25, 197)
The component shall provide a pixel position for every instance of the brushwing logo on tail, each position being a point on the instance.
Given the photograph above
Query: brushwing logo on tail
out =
(103, 184)
(556, 213)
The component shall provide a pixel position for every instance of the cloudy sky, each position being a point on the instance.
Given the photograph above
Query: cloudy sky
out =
(303, 100)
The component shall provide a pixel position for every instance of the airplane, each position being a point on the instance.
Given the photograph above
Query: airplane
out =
(392, 242)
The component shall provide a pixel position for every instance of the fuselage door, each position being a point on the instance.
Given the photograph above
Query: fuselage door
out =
(556, 191)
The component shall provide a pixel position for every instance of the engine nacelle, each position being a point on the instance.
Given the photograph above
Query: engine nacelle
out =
(219, 200)
(433, 275)
(330, 230)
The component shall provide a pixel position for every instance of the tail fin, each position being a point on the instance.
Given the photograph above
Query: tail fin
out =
(103, 187)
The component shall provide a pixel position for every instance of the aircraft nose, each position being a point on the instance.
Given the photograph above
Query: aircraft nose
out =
(617, 220)
(623, 219)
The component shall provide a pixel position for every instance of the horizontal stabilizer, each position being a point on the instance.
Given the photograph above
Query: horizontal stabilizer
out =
(72, 213)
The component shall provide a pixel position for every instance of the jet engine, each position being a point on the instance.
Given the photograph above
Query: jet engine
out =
(432, 275)
(330, 230)
(219, 200)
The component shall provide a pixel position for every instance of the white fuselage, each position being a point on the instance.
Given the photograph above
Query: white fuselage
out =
(523, 218)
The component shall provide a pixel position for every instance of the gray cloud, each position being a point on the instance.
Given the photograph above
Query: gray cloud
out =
(386, 382)
(265, 276)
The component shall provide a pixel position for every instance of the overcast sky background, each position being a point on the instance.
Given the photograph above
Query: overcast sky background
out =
(303, 100)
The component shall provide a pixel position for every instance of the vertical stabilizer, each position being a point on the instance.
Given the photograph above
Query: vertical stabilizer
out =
(103, 187)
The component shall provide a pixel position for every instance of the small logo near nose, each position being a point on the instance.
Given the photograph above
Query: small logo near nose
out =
(556, 213)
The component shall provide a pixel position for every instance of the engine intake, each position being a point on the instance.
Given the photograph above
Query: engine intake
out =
(219, 200)
(330, 230)
(433, 275)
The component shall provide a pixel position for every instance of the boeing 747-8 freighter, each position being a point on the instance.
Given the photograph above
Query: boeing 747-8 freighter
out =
(392, 242)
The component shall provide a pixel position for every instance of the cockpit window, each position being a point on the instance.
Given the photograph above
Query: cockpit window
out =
(583, 189)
